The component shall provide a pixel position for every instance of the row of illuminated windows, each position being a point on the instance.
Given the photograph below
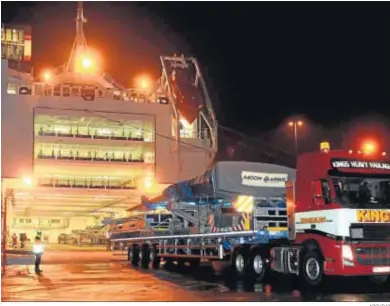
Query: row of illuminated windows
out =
(94, 127)
(86, 182)
(12, 35)
(88, 94)
(116, 133)
(12, 52)
(35, 221)
(98, 120)
(95, 153)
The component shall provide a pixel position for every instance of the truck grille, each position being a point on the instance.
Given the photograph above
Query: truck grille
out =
(370, 232)
(372, 256)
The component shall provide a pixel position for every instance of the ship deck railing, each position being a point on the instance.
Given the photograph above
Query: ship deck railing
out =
(135, 95)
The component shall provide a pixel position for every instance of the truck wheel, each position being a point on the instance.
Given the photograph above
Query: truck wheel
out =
(135, 255)
(194, 263)
(256, 266)
(312, 268)
(378, 279)
(154, 259)
(145, 256)
(239, 263)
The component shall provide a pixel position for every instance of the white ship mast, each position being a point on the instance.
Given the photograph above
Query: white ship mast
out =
(80, 43)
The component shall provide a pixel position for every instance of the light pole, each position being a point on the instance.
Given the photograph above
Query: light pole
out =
(295, 125)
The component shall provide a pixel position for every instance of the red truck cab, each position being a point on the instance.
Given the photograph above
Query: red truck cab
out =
(339, 217)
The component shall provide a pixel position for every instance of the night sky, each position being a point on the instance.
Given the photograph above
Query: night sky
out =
(326, 62)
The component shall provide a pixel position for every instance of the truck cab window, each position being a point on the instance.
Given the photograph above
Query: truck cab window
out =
(369, 193)
(325, 189)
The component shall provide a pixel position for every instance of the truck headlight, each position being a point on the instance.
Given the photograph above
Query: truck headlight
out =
(347, 255)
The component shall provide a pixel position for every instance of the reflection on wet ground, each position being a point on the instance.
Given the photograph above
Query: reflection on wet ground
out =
(97, 277)
(279, 288)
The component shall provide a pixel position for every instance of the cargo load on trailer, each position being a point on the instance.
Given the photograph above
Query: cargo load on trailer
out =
(142, 223)
(233, 196)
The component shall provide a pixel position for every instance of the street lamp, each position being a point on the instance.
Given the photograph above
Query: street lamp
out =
(28, 181)
(148, 183)
(143, 82)
(86, 62)
(46, 75)
(295, 125)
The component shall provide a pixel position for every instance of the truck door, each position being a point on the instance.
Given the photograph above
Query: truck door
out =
(321, 194)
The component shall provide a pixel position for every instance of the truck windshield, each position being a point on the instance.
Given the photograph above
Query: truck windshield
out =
(355, 192)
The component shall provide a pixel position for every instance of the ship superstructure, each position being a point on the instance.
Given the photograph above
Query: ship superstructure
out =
(82, 147)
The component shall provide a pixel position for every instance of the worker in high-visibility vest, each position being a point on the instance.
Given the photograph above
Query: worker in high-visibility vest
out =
(38, 251)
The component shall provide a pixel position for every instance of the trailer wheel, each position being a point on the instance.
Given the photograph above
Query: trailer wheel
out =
(168, 263)
(181, 262)
(135, 255)
(194, 263)
(239, 262)
(312, 268)
(145, 256)
(154, 258)
(257, 266)
(130, 254)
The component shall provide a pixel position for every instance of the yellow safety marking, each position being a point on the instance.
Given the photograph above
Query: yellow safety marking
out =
(247, 223)
(277, 229)
(244, 203)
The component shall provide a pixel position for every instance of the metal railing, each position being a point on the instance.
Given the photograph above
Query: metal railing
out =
(87, 93)
(106, 159)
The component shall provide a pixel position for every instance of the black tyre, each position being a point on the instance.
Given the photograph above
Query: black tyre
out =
(181, 262)
(312, 269)
(194, 263)
(377, 283)
(155, 260)
(135, 255)
(130, 254)
(168, 263)
(145, 256)
(378, 280)
(257, 266)
(239, 262)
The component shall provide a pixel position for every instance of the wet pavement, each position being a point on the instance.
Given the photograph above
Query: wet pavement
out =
(99, 276)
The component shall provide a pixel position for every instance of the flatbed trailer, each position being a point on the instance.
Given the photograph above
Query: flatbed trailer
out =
(265, 228)
(236, 223)
(321, 231)
(229, 246)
